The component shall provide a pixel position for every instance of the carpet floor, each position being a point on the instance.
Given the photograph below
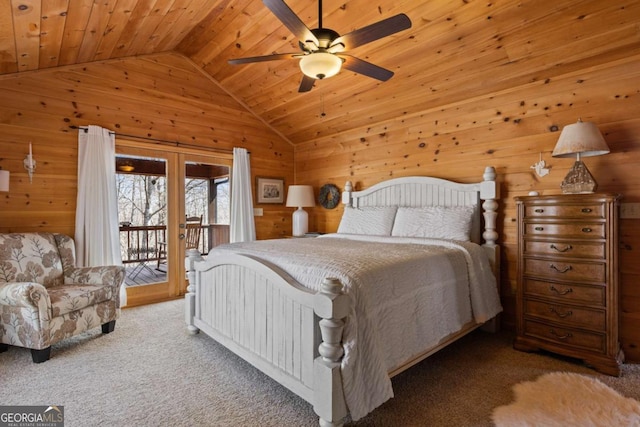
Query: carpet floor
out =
(150, 372)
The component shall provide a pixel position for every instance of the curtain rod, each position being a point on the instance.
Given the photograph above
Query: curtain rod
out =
(166, 142)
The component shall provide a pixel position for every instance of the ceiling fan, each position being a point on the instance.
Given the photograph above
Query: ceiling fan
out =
(323, 50)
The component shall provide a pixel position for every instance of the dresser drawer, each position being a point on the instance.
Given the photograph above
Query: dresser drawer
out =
(567, 315)
(579, 294)
(565, 336)
(579, 230)
(564, 270)
(586, 210)
(575, 249)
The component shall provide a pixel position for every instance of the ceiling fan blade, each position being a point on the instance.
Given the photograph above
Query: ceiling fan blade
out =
(280, 9)
(373, 32)
(306, 84)
(360, 66)
(275, 56)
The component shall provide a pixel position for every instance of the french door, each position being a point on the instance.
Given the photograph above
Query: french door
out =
(158, 189)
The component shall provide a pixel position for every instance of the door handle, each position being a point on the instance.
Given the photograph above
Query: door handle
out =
(181, 236)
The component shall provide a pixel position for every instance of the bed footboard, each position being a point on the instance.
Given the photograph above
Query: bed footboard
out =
(263, 315)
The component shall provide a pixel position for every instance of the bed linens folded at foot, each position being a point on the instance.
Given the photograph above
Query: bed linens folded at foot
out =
(406, 295)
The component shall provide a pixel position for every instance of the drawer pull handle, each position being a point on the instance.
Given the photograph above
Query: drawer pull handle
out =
(560, 270)
(565, 292)
(566, 248)
(539, 228)
(560, 315)
(586, 210)
(539, 210)
(560, 337)
(587, 230)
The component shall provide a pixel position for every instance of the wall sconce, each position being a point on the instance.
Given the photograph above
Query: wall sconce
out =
(4, 180)
(30, 164)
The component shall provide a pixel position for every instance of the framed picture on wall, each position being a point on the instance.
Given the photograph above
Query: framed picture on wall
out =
(269, 190)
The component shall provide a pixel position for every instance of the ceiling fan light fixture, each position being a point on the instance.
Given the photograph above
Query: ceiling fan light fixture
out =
(320, 65)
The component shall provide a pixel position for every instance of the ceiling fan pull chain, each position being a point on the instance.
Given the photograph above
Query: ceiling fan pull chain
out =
(322, 114)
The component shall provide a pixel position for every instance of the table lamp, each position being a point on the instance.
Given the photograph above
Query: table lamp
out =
(300, 196)
(582, 139)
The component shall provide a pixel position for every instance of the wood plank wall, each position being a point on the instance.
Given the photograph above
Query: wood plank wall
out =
(162, 96)
(509, 130)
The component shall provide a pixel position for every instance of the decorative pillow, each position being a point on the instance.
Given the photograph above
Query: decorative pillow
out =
(372, 221)
(438, 222)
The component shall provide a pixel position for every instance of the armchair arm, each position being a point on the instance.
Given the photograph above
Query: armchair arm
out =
(108, 275)
(25, 294)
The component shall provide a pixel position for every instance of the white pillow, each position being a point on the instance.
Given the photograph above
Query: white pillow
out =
(372, 221)
(438, 222)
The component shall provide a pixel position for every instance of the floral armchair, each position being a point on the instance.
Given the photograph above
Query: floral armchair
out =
(45, 298)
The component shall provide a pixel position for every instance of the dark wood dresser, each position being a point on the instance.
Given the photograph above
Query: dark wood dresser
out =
(567, 296)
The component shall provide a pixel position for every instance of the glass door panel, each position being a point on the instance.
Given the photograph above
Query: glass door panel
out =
(141, 186)
(206, 197)
(145, 190)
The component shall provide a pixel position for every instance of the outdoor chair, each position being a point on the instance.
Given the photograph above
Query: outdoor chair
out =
(45, 298)
(192, 232)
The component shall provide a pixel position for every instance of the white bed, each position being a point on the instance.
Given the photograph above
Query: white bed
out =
(333, 318)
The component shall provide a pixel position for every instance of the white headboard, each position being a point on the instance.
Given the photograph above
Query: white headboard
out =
(419, 191)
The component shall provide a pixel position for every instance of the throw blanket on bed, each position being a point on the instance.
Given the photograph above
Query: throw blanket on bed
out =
(407, 294)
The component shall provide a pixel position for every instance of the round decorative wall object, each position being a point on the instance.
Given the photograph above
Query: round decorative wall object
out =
(329, 196)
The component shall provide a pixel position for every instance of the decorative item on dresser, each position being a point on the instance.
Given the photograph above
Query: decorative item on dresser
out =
(567, 296)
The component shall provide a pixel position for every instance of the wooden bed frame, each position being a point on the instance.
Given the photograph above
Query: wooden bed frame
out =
(233, 298)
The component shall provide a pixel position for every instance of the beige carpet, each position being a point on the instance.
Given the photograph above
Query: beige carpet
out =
(150, 372)
(564, 400)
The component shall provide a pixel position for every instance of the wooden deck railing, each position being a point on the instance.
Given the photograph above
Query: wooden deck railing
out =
(140, 244)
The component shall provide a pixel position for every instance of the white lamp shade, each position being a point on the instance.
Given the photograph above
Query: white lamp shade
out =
(4, 180)
(300, 196)
(583, 138)
(320, 65)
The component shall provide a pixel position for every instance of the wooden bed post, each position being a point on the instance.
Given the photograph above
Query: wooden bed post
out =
(346, 194)
(489, 192)
(332, 306)
(193, 256)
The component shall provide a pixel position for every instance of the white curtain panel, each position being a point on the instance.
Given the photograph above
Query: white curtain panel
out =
(242, 227)
(97, 234)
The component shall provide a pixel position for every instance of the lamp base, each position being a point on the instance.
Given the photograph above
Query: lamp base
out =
(578, 180)
(300, 222)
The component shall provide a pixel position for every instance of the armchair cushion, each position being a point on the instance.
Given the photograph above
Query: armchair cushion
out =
(30, 257)
(65, 299)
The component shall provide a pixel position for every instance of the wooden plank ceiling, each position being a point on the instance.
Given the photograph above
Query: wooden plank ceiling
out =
(455, 50)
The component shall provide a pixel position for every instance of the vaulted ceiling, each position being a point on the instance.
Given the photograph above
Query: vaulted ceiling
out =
(455, 50)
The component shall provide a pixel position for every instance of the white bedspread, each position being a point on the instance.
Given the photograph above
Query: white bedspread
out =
(407, 294)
